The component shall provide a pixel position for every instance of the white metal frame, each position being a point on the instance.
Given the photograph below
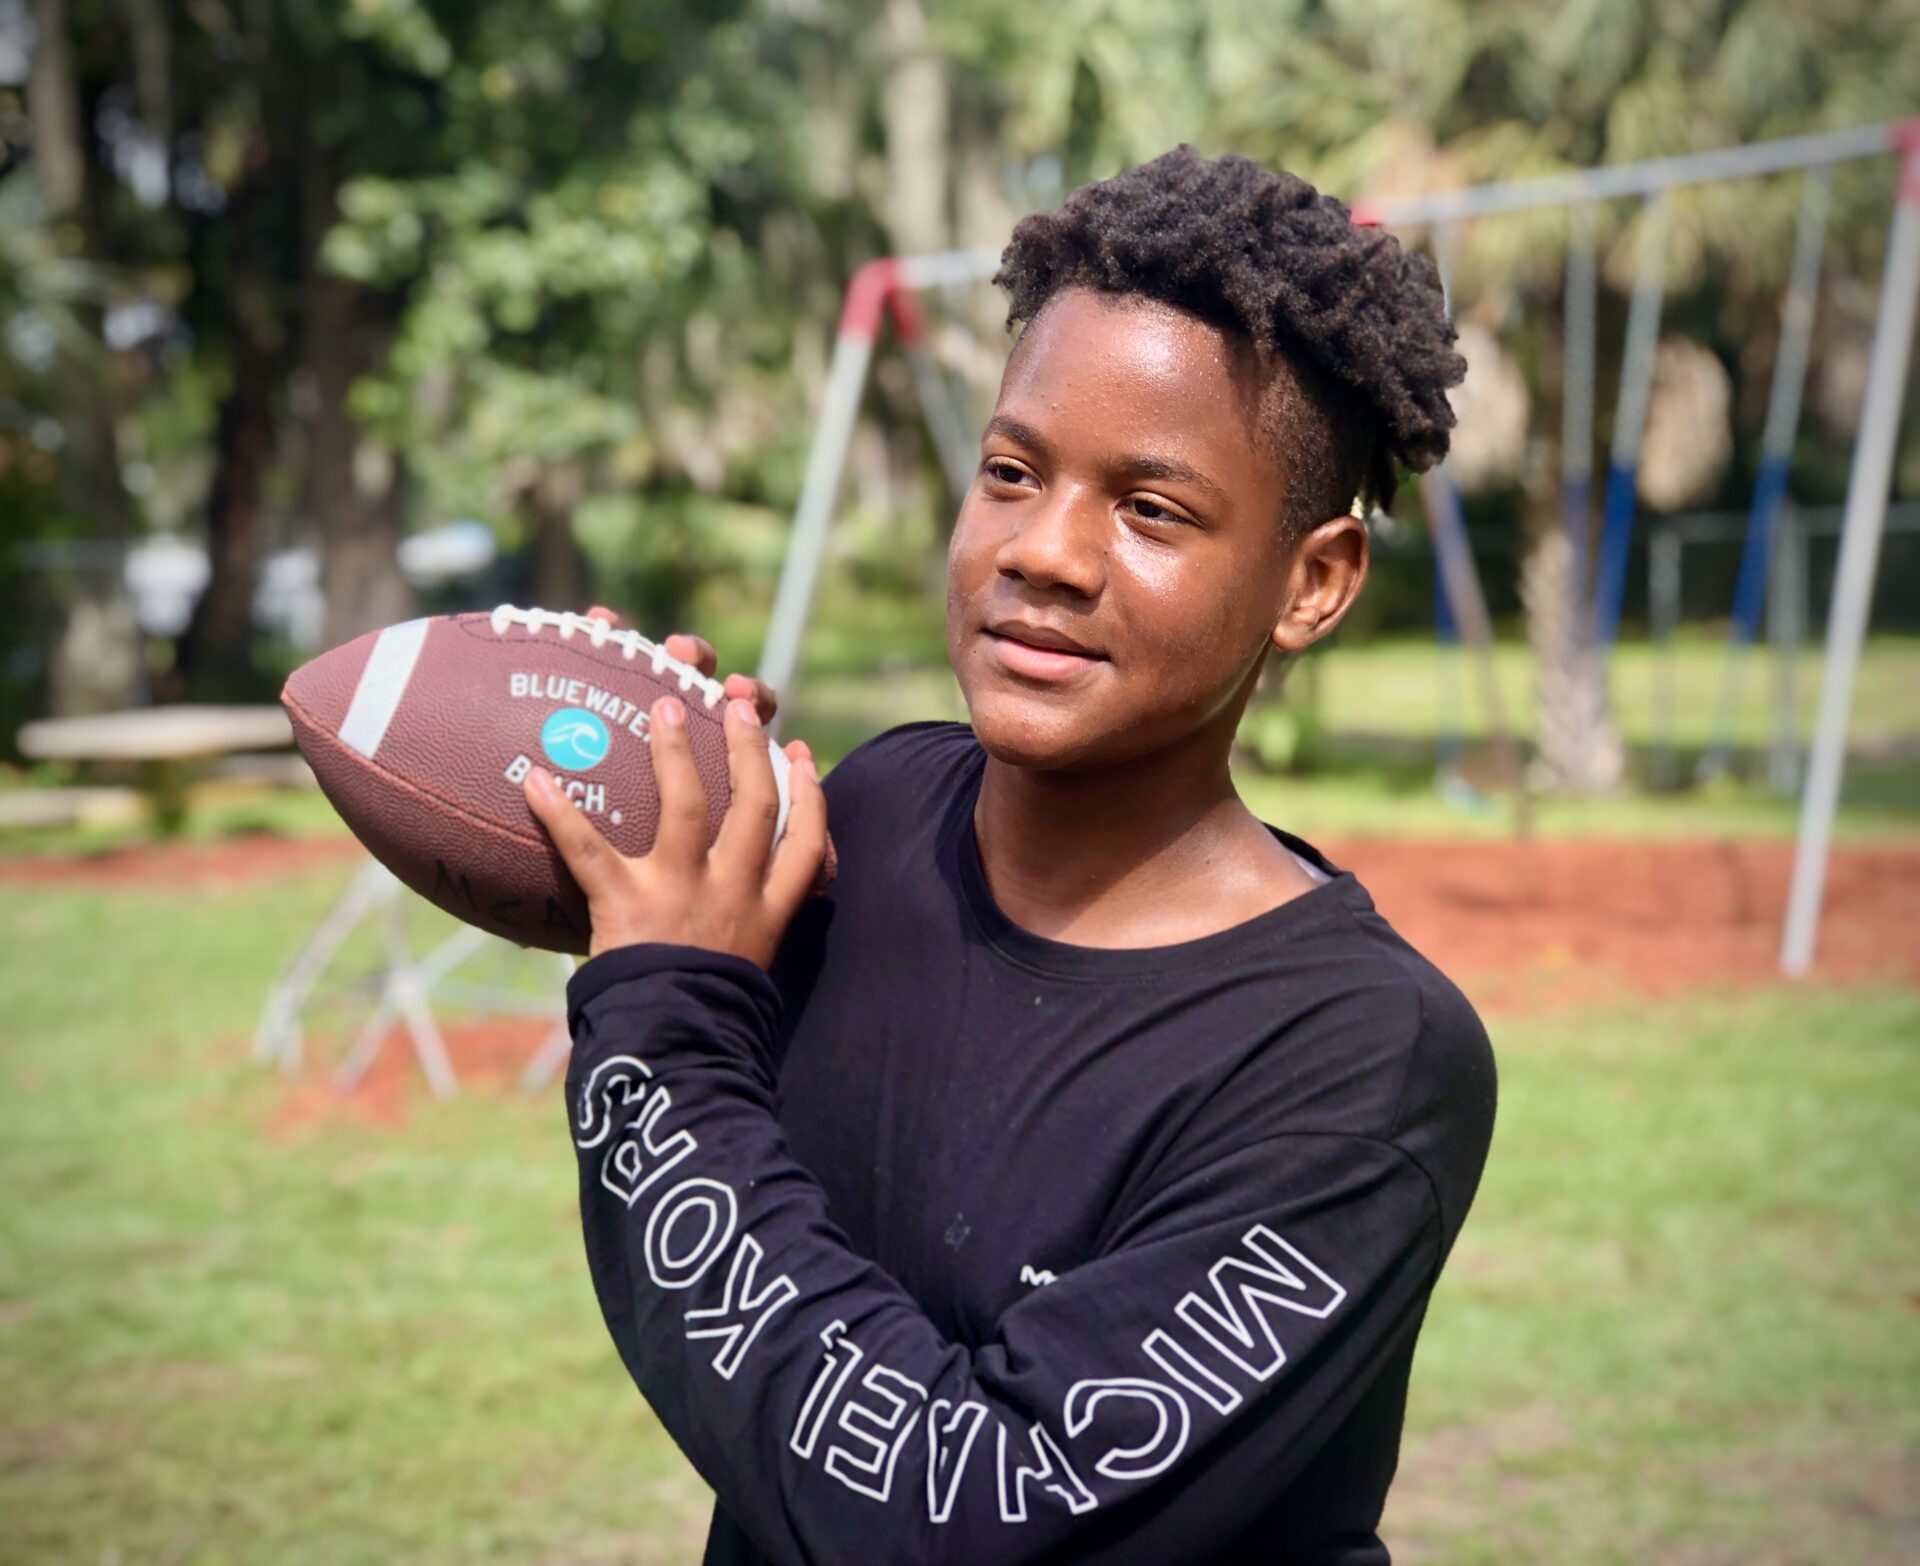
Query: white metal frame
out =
(892, 282)
(406, 988)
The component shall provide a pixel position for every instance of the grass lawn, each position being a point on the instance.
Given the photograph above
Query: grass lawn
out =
(880, 654)
(1679, 1326)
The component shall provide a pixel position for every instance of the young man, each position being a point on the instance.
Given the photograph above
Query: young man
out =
(1068, 1184)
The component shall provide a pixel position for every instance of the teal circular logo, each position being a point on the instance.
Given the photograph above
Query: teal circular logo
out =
(574, 739)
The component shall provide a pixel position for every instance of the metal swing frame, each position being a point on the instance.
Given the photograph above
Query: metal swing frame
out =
(892, 284)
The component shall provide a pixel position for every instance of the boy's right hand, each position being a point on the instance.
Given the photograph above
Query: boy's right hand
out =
(697, 651)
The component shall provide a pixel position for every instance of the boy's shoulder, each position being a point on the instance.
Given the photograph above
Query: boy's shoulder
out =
(903, 769)
(1438, 1059)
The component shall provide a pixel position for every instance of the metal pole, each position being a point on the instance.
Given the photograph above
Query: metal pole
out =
(1453, 555)
(1640, 179)
(1576, 415)
(1776, 455)
(1629, 426)
(1446, 627)
(846, 377)
(1663, 610)
(1786, 630)
(1859, 553)
(958, 451)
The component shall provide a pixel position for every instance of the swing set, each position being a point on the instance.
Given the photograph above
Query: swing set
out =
(897, 288)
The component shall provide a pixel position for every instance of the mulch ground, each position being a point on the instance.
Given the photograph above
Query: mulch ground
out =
(1568, 922)
(240, 860)
(1520, 926)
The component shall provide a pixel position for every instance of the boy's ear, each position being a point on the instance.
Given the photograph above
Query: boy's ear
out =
(1323, 578)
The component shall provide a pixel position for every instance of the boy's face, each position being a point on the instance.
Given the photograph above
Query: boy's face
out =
(1126, 502)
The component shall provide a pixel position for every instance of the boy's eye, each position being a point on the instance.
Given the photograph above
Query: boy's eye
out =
(1001, 472)
(1152, 511)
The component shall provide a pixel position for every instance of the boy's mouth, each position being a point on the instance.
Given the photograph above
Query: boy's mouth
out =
(1036, 660)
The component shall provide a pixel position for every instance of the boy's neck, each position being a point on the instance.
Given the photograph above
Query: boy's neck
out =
(1155, 852)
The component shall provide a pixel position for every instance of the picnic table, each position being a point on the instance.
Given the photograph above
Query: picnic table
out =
(162, 741)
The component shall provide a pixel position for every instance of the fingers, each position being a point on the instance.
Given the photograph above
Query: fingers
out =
(698, 651)
(589, 857)
(796, 861)
(601, 612)
(746, 836)
(695, 650)
(681, 841)
(759, 692)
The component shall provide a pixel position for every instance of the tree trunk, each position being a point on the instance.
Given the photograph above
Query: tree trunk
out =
(559, 568)
(1576, 748)
(216, 653)
(97, 663)
(355, 487)
(354, 484)
(914, 113)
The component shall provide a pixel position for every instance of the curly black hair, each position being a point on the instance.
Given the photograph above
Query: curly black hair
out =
(1351, 329)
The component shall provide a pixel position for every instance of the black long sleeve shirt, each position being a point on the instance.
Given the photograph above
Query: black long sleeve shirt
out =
(950, 1243)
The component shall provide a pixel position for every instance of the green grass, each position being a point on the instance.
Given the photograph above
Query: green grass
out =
(874, 661)
(1392, 687)
(1399, 686)
(1679, 1326)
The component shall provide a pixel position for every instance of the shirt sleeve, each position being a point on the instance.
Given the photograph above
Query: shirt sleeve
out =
(1143, 1407)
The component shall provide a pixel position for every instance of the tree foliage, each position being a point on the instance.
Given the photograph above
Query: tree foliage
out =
(572, 267)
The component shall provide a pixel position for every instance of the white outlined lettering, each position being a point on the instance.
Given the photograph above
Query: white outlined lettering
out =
(737, 1300)
(950, 1439)
(1222, 1325)
(842, 1356)
(1052, 1472)
(635, 1161)
(701, 1200)
(881, 1429)
(1153, 1456)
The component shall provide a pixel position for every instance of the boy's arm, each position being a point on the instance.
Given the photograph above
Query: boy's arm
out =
(1144, 1407)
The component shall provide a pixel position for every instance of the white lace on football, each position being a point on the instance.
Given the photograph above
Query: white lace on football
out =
(632, 644)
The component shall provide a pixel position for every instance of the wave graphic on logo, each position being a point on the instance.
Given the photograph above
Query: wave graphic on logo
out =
(574, 739)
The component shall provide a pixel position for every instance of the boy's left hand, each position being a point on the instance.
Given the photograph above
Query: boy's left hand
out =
(740, 895)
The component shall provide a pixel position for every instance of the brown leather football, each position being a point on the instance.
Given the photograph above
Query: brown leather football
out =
(421, 734)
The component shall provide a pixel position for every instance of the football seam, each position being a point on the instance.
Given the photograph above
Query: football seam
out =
(697, 707)
(457, 811)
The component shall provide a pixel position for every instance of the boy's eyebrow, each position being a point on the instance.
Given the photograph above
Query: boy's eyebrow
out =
(1178, 472)
(1144, 466)
(1020, 434)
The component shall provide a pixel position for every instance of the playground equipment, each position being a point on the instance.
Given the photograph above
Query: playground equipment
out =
(404, 987)
(1629, 425)
(892, 285)
(1776, 451)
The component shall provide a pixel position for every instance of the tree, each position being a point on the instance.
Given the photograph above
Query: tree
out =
(1376, 97)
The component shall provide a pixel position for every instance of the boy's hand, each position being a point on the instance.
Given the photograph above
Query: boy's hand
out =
(740, 895)
(697, 651)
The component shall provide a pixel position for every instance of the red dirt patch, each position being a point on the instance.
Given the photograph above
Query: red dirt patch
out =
(488, 1055)
(1519, 926)
(235, 861)
(1572, 921)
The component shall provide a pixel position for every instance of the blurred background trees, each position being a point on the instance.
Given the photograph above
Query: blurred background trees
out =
(330, 273)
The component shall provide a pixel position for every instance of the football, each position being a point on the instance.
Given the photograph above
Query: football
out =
(420, 736)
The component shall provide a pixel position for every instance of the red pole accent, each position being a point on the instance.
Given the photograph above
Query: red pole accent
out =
(1905, 136)
(1364, 215)
(909, 320)
(867, 292)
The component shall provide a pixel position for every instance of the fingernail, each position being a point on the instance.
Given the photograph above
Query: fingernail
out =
(672, 713)
(542, 780)
(744, 711)
(807, 766)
